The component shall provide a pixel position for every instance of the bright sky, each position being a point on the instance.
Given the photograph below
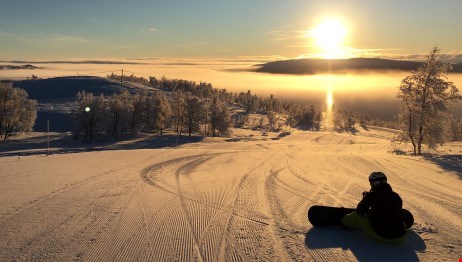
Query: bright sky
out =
(57, 29)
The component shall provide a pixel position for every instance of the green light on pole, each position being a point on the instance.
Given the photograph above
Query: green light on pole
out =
(87, 109)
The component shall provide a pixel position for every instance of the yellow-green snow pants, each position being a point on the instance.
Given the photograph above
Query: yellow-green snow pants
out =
(355, 220)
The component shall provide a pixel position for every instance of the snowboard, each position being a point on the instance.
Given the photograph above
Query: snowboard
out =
(325, 216)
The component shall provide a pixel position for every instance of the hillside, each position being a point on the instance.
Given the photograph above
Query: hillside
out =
(56, 96)
(224, 201)
(314, 66)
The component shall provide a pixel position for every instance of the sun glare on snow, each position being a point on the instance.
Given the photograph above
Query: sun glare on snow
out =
(329, 36)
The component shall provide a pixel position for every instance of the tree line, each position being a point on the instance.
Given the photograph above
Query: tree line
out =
(180, 105)
(184, 107)
(293, 115)
(149, 112)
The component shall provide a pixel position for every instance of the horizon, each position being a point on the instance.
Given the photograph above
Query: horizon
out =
(294, 29)
(445, 57)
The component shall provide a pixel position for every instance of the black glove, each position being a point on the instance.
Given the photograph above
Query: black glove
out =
(365, 193)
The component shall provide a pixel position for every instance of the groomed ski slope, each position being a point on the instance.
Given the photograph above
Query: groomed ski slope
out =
(222, 201)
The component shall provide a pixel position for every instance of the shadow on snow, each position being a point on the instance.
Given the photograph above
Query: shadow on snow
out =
(60, 144)
(362, 247)
(452, 163)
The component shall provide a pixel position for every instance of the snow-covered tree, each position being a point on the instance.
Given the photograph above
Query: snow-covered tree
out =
(17, 111)
(455, 129)
(344, 120)
(307, 118)
(220, 118)
(194, 113)
(272, 121)
(178, 106)
(90, 115)
(426, 96)
(135, 112)
(156, 111)
(119, 108)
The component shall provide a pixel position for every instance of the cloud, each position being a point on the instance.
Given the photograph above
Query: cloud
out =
(193, 46)
(451, 56)
(392, 53)
(115, 46)
(231, 60)
(273, 32)
(151, 29)
(290, 37)
(350, 52)
(279, 35)
(53, 39)
(77, 61)
(4, 34)
(67, 39)
(249, 59)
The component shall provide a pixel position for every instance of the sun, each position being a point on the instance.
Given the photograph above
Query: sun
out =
(329, 37)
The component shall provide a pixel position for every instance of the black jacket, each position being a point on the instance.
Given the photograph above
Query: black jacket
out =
(384, 209)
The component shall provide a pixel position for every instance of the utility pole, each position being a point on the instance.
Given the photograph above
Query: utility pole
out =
(122, 77)
(48, 137)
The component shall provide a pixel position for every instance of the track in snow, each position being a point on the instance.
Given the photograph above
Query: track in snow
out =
(230, 202)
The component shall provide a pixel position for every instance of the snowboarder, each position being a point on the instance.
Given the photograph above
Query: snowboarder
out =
(379, 213)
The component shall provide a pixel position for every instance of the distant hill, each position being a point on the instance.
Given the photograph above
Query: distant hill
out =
(457, 66)
(56, 97)
(66, 88)
(17, 67)
(314, 66)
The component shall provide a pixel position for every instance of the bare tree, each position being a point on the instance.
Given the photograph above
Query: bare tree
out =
(156, 111)
(17, 111)
(135, 112)
(344, 120)
(90, 115)
(220, 119)
(272, 120)
(306, 118)
(455, 129)
(178, 105)
(426, 96)
(119, 108)
(164, 111)
(224, 122)
(149, 114)
(194, 113)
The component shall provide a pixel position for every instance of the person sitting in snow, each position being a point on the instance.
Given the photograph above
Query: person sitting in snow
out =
(379, 213)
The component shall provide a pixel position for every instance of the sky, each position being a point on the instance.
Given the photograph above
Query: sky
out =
(56, 29)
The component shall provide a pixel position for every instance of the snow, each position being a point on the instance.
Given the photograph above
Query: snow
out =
(214, 200)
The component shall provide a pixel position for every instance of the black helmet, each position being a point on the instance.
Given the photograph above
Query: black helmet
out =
(377, 178)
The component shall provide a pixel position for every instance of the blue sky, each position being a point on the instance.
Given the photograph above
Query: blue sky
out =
(124, 29)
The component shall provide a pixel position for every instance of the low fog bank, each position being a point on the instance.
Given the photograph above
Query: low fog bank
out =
(383, 109)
